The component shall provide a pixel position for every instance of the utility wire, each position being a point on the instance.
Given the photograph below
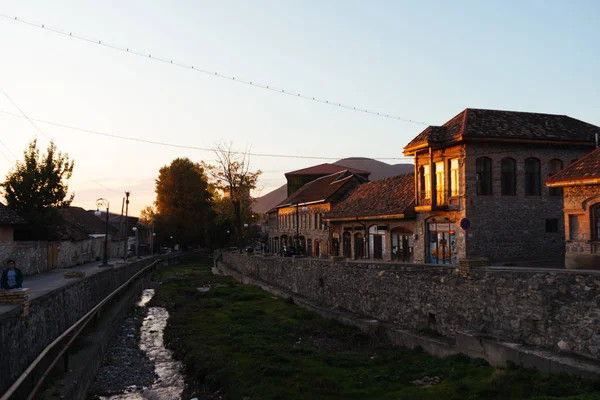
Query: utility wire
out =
(24, 115)
(212, 73)
(6, 147)
(181, 146)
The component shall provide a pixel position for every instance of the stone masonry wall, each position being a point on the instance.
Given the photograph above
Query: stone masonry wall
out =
(514, 227)
(556, 309)
(80, 252)
(31, 257)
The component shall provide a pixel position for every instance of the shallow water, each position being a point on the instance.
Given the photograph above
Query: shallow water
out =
(169, 383)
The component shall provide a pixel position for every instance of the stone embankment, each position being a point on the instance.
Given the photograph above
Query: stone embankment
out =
(555, 310)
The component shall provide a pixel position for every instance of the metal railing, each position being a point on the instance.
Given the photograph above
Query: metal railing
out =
(77, 328)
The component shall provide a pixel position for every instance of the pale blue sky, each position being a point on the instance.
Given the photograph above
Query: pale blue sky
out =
(422, 60)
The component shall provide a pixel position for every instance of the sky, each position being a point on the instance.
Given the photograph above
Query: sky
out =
(419, 60)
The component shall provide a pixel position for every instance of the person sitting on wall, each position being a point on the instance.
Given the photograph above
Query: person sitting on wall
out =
(12, 277)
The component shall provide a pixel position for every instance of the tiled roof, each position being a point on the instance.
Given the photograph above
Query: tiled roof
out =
(585, 170)
(326, 169)
(389, 196)
(68, 231)
(479, 123)
(320, 189)
(85, 220)
(10, 217)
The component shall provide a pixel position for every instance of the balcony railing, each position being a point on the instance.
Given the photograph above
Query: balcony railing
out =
(425, 199)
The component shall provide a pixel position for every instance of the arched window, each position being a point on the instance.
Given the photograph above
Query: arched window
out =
(318, 249)
(346, 244)
(508, 167)
(483, 169)
(309, 251)
(554, 166)
(595, 215)
(532, 177)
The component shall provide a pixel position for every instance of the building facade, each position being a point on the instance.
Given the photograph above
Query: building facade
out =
(479, 185)
(298, 220)
(376, 221)
(580, 183)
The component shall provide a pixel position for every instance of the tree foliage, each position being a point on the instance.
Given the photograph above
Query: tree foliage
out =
(231, 174)
(183, 203)
(37, 187)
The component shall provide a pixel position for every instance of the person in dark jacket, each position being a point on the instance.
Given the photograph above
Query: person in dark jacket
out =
(12, 277)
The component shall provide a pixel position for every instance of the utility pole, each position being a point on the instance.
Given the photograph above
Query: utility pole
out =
(121, 224)
(126, 220)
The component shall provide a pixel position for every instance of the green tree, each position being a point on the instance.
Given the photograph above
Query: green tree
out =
(231, 174)
(183, 204)
(37, 187)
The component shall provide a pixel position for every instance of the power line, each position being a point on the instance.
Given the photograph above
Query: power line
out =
(212, 73)
(181, 146)
(24, 115)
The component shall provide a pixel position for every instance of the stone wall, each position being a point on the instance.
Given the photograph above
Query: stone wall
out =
(555, 309)
(22, 338)
(31, 257)
(80, 252)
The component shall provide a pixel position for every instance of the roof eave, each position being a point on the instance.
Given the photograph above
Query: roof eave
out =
(365, 217)
(574, 182)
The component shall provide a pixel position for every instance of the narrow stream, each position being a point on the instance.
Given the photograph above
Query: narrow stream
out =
(169, 381)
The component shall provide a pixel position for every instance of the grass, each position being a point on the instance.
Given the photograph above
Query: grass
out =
(250, 345)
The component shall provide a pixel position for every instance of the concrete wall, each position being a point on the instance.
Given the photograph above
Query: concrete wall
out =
(555, 309)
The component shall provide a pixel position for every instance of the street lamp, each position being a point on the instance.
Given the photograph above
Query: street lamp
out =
(152, 247)
(103, 203)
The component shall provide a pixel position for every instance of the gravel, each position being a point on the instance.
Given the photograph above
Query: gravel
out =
(125, 366)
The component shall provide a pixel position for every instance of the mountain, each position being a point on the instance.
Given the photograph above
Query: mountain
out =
(378, 170)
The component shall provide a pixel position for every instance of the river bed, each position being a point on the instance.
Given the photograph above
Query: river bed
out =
(124, 372)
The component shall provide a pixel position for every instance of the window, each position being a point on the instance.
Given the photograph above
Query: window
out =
(316, 226)
(553, 167)
(552, 225)
(574, 227)
(532, 177)
(439, 183)
(595, 214)
(454, 177)
(426, 182)
(508, 168)
(483, 170)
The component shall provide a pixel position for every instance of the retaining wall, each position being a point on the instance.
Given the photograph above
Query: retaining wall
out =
(22, 338)
(553, 309)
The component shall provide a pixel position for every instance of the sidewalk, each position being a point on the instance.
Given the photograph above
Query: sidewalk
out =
(52, 280)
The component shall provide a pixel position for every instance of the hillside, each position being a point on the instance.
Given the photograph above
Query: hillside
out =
(378, 170)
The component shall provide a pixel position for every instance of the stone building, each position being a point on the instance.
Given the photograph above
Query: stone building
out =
(298, 220)
(486, 168)
(580, 183)
(376, 221)
(297, 179)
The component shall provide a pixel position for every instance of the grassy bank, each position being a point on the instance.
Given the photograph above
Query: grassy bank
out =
(251, 345)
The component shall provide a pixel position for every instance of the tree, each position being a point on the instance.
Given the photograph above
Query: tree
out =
(232, 175)
(37, 187)
(183, 203)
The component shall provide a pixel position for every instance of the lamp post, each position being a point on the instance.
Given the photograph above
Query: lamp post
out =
(152, 246)
(304, 208)
(101, 202)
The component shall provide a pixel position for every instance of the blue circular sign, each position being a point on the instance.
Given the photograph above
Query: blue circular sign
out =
(465, 224)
